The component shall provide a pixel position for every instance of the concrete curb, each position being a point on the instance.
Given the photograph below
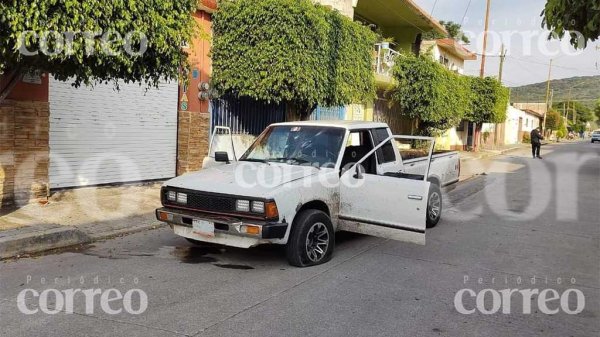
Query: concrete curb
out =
(24, 242)
(40, 240)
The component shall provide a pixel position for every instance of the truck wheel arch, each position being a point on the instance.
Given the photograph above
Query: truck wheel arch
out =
(434, 180)
(314, 204)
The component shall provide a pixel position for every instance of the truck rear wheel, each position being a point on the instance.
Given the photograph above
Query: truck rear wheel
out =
(312, 239)
(434, 205)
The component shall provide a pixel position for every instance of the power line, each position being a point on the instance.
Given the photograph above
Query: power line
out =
(433, 8)
(466, 11)
(547, 64)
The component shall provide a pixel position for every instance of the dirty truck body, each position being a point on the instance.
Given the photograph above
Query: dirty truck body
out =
(301, 182)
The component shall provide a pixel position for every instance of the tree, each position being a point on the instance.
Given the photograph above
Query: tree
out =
(291, 51)
(427, 91)
(454, 31)
(489, 101)
(575, 111)
(553, 120)
(94, 40)
(579, 19)
(562, 130)
(597, 110)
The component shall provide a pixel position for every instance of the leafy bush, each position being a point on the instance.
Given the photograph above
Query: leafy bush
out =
(167, 25)
(440, 98)
(427, 91)
(291, 51)
(489, 101)
(553, 120)
(526, 138)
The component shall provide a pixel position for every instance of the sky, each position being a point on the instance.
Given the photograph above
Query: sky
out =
(517, 24)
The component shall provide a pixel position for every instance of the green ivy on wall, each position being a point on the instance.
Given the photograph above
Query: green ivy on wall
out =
(291, 51)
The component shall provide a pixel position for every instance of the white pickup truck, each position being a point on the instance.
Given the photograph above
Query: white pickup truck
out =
(300, 182)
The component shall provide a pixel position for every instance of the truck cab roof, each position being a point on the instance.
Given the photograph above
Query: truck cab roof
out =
(348, 125)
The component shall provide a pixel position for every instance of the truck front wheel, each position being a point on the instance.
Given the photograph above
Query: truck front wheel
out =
(434, 206)
(312, 239)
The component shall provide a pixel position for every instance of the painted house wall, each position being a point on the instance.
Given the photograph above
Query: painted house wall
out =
(193, 113)
(452, 139)
(455, 63)
(346, 7)
(529, 122)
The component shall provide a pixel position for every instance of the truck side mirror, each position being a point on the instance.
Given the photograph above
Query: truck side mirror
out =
(222, 157)
(359, 173)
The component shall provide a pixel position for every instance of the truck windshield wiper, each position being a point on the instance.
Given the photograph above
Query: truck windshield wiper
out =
(256, 160)
(296, 160)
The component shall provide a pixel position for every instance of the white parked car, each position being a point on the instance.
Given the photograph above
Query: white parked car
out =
(596, 136)
(300, 182)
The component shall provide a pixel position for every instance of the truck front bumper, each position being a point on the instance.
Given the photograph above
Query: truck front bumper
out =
(223, 224)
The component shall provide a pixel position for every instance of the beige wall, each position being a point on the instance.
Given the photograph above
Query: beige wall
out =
(455, 63)
(344, 6)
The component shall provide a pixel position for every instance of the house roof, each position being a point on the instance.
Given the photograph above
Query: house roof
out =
(534, 113)
(208, 6)
(398, 13)
(453, 47)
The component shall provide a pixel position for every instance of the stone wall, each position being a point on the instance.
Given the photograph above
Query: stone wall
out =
(192, 140)
(24, 151)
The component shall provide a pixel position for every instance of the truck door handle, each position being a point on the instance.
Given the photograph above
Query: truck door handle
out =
(415, 197)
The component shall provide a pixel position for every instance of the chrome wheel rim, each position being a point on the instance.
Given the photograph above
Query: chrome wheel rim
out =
(317, 242)
(435, 205)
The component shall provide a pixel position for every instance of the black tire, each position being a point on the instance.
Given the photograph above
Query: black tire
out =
(302, 249)
(434, 205)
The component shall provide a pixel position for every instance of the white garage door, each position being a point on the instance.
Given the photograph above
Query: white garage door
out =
(100, 135)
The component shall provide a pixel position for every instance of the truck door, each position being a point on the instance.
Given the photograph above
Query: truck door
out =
(391, 205)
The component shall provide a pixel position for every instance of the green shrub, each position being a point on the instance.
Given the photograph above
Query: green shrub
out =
(489, 101)
(427, 91)
(291, 51)
(526, 138)
(441, 98)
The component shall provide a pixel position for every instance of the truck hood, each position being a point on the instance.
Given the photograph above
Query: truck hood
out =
(242, 178)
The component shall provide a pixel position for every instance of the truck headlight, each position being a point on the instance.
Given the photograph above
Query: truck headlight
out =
(258, 207)
(181, 198)
(242, 206)
(171, 196)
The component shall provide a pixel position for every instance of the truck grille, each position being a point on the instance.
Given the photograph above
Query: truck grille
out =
(203, 202)
(211, 203)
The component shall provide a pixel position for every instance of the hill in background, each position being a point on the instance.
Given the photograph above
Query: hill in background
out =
(584, 89)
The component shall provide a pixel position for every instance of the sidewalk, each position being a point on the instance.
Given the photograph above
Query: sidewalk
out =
(483, 154)
(78, 216)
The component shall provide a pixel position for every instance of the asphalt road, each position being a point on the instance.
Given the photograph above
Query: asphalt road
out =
(492, 236)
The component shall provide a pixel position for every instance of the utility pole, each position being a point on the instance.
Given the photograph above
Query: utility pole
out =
(569, 104)
(547, 96)
(502, 58)
(476, 134)
(485, 36)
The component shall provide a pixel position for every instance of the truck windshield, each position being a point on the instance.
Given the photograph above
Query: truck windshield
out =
(297, 145)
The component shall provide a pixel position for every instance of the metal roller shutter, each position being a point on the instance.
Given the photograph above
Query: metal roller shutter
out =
(99, 135)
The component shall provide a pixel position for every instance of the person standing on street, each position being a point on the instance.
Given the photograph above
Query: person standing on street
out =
(536, 142)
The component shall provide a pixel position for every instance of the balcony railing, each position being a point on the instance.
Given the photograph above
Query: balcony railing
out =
(385, 59)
